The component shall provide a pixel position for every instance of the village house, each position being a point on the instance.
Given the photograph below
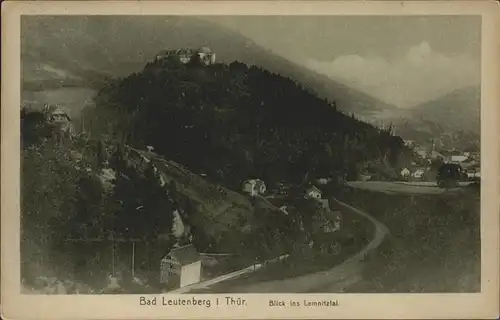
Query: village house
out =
(405, 173)
(458, 158)
(409, 143)
(323, 181)
(419, 173)
(58, 117)
(423, 154)
(313, 193)
(473, 173)
(181, 267)
(254, 187)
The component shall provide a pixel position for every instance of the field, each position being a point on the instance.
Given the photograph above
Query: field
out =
(434, 242)
(390, 187)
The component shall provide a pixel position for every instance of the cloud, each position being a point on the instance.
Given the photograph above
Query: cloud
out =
(417, 75)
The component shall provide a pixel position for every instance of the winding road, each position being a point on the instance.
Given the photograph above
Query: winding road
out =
(335, 279)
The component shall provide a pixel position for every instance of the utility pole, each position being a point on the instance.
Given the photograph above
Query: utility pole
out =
(112, 254)
(133, 258)
(113, 241)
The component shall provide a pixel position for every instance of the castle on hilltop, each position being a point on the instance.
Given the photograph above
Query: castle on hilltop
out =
(205, 54)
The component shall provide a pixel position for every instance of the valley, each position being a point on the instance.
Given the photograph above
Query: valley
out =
(165, 144)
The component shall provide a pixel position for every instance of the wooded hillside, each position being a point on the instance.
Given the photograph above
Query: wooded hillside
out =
(232, 122)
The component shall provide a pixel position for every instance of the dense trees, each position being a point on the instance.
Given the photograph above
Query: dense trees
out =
(228, 121)
(64, 199)
(234, 121)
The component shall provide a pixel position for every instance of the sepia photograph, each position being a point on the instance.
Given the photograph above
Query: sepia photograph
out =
(186, 159)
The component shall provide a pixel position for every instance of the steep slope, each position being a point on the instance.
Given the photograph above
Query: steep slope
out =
(217, 210)
(83, 50)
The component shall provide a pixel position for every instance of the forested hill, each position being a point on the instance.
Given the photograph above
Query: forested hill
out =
(81, 51)
(233, 122)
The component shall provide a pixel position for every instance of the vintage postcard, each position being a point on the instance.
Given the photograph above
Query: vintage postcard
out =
(250, 160)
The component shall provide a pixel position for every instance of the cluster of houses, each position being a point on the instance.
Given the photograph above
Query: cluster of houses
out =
(182, 266)
(185, 55)
(468, 161)
(257, 187)
(415, 173)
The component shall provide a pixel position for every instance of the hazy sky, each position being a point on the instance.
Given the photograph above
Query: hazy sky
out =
(401, 60)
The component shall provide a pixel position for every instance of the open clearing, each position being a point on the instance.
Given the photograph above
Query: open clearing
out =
(404, 187)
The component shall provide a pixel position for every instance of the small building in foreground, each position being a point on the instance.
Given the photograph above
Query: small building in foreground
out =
(181, 267)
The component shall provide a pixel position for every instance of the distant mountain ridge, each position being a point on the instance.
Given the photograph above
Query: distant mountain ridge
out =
(456, 115)
(460, 108)
(82, 51)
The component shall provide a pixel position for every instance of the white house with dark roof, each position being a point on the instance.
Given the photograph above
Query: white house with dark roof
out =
(313, 193)
(459, 158)
(254, 187)
(419, 173)
(181, 266)
(59, 117)
(405, 172)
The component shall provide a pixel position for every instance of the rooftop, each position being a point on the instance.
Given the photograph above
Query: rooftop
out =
(186, 254)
